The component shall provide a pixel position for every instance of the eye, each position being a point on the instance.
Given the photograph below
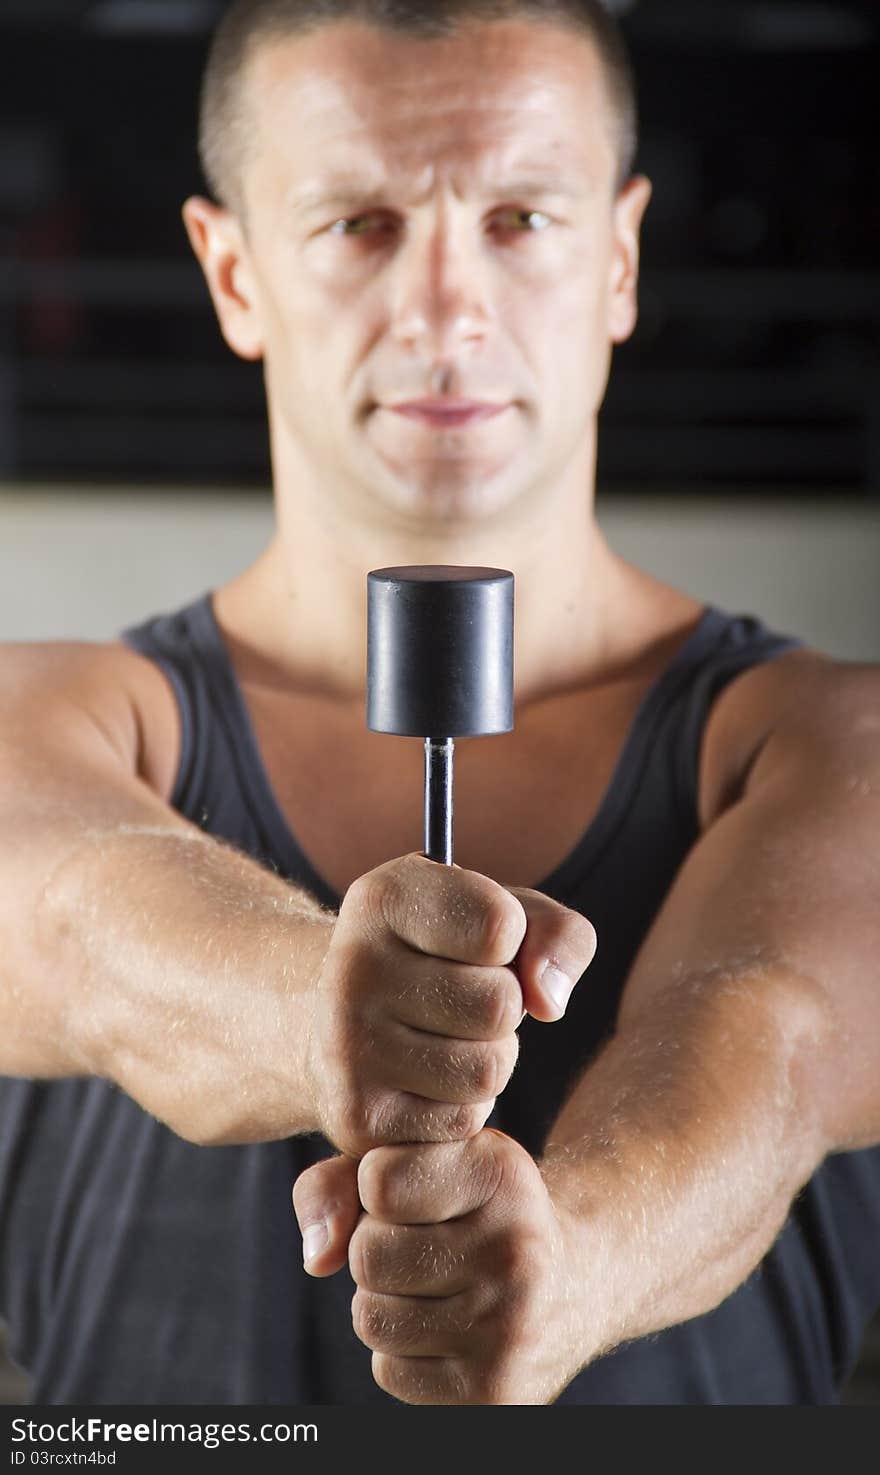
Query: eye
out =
(530, 215)
(348, 227)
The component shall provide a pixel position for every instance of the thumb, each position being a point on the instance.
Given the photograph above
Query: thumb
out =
(327, 1208)
(558, 946)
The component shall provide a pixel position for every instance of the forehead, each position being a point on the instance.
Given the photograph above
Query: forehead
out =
(350, 97)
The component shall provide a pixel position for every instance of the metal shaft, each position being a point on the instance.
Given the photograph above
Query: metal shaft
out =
(439, 753)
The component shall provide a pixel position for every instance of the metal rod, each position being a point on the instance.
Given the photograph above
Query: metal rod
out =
(439, 754)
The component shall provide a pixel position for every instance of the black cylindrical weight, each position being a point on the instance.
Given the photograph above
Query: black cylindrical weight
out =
(440, 651)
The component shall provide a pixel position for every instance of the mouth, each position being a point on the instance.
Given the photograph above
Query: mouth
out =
(448, 415)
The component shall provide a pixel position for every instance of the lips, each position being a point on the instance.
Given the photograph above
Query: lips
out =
(448, 413)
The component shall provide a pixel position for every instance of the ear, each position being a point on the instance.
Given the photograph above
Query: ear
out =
(629, 211)
(217, 240)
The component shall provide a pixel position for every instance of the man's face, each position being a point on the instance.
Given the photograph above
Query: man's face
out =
(433, 218)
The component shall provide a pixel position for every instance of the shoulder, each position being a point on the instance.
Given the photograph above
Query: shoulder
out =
(799, 700)
(102, 689)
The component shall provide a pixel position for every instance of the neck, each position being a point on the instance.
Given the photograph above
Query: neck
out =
(301, 609)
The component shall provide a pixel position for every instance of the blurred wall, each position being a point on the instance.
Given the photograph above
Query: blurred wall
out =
(80, 565)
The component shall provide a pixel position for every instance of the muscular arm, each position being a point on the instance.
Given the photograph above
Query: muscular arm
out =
(134, 946)
(748, 1038)
(746, 1050)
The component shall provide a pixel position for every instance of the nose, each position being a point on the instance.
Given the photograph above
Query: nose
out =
(441, 286)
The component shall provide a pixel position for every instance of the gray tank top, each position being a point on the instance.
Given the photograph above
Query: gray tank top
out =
(139, 1268)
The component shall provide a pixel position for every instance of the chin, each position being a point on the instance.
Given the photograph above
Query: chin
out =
(443, 496)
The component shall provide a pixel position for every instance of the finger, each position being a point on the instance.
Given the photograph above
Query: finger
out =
(432, 1182)
(412, 1326)
(421, 1379)
(327, 1208)
(461, 1073)
(453, 999)
(404, 1117)
(557, 939)
(430, 1260)
(443, 910)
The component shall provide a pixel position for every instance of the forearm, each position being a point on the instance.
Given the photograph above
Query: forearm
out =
(182, 970)
(677, 1156)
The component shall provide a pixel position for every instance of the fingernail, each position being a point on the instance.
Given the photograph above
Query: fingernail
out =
(557, 984)
(315, 1237)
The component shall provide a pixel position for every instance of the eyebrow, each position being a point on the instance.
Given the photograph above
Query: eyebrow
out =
(342, 192)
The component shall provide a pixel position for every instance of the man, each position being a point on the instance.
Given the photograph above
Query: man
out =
(221, 940)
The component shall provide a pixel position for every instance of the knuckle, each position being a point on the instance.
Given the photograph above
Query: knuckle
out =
(363, 1317)
(377, 1182)
(382, 1369)
(504, 927)
(353, 1140)
(491, 1068)
(465, 1121)
(357, 897)
(503, 1005)
(473, 911)
(486, 1069)
(388, 1375)
(493, 930)
(369, 1263)
(376, 1326)
(369, 899)
(488, 1169)
(507, 1056)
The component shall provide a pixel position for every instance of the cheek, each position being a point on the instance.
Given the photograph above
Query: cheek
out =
(299, 344)
(568, 346)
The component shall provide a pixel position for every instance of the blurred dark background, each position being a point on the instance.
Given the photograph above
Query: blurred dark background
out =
(756, 359)
(740, 446)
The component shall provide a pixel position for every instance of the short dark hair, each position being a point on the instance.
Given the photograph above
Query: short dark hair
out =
(247, 23)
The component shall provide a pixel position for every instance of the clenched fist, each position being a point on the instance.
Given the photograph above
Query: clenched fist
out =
(428, 974)
(467, 1291)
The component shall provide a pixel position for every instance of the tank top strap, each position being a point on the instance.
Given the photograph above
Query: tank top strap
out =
(177, 643)
(729, 645)
(217, 785)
